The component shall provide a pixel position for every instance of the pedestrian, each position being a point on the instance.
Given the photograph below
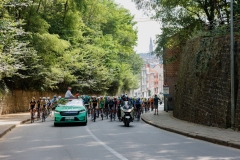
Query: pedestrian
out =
(155, 103)
(69, 93)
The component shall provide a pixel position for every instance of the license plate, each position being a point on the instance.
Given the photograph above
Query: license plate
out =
(69, 117)
(127, 116)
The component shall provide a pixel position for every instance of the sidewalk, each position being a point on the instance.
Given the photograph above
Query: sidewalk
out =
(10, 121)
(166, 121)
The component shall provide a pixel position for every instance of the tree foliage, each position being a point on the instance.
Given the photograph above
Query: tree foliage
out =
(183, 17)
(87, 44)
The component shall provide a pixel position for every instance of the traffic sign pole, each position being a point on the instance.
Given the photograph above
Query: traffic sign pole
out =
(166, 93)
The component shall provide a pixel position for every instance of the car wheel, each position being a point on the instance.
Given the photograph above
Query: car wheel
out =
(55, 125)
(85, 123)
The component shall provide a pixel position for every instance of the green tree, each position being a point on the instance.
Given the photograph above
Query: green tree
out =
(183, 17)
(84, 43)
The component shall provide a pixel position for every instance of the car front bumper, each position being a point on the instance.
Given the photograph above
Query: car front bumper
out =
(81, 117)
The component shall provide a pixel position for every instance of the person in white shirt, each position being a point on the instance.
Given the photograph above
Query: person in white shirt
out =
(68, 93)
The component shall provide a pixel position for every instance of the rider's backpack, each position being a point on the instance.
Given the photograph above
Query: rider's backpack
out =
(138, 102)
(86, 100)
(111, 103)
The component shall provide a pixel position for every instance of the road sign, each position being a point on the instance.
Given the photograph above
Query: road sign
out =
(165, 90)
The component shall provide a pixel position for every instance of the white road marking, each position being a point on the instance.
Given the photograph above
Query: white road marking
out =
(106, 146)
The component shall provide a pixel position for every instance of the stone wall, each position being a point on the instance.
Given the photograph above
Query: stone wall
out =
(18, 101)
(237, 116)
(171, 68)
(203, 92)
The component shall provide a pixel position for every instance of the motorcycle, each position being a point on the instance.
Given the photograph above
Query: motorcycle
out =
(127, 114)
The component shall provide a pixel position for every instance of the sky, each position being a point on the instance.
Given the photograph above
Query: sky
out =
(146, 29)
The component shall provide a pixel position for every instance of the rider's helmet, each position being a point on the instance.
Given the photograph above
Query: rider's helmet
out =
(54, 96)
(44, 98)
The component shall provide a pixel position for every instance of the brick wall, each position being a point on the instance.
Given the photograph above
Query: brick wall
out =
(237, 71)
(18, 101)
(170, 71)
(204, 85)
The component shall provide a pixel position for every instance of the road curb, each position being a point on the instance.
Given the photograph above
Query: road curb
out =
(194, 135)
(13, 126)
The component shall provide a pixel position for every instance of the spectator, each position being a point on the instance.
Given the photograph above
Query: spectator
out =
(155, 103)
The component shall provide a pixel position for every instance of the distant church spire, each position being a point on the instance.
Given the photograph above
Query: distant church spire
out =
(150, 46)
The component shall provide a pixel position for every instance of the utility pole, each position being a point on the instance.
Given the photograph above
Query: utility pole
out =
(232, 70)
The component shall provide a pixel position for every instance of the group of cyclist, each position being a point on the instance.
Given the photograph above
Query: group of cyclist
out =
(96, 105)
(110, 105)
(43, 107)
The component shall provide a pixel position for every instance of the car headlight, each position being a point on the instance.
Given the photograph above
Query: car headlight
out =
(81, 111)
(56, 112)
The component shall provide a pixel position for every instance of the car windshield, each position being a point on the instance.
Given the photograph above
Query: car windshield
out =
(75, 102)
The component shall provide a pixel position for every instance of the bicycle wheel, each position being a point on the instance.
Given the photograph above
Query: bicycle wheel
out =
(32, 119)
(107, 113)
(111, 115)
(94, 116)
(102, 114)
(43, 116)
(114, 115)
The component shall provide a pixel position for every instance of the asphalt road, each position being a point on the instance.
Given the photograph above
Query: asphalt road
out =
(102, 140)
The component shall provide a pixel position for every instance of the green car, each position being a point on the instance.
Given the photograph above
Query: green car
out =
(73, 111)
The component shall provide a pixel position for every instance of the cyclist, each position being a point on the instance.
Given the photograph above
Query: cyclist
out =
(32, 106)
(94, 106)
(43, 107)
(119, 108)
(86, 101)
(151, 103)
(102, 105)
(145, 104)
(49, 106)
(111, 106)
(54, 102)
(106, 99)
(138, 105)
(38, 106)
